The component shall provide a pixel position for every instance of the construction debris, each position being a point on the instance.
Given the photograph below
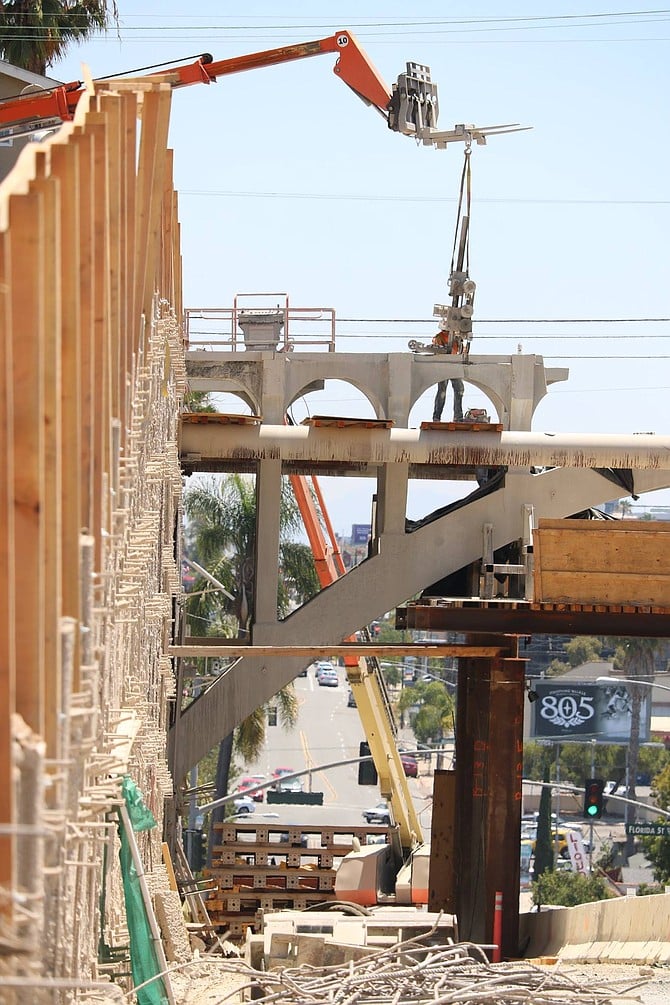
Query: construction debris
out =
(410, 972)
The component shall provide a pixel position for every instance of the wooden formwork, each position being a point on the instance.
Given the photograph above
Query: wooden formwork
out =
(604, 562)
(91, 378)
(261, 868)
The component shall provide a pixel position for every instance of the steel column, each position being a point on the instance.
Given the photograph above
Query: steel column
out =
(489, 745)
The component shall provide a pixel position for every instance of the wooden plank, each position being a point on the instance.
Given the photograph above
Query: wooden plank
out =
(342, 422)
(27, 337)
(399, 649)
(654, 527)
(152, 163)
(50, 305)
(7, 595)
(632, 590)
(95, 426)
(612, 552)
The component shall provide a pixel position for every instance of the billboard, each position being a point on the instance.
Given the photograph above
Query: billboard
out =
(360, 533)
(573, 710)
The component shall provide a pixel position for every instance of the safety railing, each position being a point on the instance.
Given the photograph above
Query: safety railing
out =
(260, 322)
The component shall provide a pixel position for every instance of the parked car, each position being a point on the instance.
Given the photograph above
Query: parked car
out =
(410, 766)
(323, 666)
(244, 804)
(328, 678)
(379, 814)
(351, 701)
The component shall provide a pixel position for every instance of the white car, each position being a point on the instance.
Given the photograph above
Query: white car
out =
(379, 814)
(244, 804)
(323, 666)
(292, 785)
(328, 678)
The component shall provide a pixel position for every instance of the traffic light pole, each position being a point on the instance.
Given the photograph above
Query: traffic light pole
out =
(593, 771)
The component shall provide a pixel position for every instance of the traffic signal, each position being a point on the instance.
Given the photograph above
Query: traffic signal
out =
(367, 773)
(593, 798)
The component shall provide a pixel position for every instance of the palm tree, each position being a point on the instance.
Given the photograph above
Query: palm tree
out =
(636, 660)
(37, 33)
(221, 532)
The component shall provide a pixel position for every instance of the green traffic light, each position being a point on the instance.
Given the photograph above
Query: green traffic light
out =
(592, 811)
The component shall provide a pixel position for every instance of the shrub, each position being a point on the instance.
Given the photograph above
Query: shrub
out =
(567, 889)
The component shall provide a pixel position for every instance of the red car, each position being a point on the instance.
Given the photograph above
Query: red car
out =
(410, 766)
(247, 783)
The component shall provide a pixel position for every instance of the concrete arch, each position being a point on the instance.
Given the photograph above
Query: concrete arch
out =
(244, 395)
(371, 394)
(498, 406)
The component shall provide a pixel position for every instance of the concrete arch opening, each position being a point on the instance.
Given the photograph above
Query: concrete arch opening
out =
(336, 398)
(235, 401)
(456, 402)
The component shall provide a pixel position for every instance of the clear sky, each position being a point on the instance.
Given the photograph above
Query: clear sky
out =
(288, 183)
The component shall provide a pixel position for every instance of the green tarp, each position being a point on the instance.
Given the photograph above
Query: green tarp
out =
(143, 961)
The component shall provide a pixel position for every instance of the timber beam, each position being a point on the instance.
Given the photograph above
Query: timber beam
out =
(322, 652)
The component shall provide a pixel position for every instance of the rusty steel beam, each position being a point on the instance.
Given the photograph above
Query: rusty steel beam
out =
(489, 745)
(307, 444)
(535, 620)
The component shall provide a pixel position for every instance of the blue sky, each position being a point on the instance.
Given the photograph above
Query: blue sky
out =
(288, 183)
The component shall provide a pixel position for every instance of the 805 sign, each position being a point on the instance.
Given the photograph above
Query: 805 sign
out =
(567, 709)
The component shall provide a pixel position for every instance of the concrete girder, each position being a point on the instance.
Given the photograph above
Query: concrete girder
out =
(391, 382)
(305, 445)
(404, 565)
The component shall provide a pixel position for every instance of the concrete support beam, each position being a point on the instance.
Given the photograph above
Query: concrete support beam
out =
(309, 445)
(268, 505)
(392, 499)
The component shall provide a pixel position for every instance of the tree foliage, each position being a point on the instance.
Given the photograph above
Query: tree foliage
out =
(583, 649)
(657, 849)
(544, 845)
(37, 33)
(433, 719)
(568, 889)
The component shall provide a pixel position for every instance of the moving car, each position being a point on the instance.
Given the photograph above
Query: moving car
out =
(292, 785)
(328, 678)
(379, 814)
(410, 766)
(244, 804)
(321, 666)
(279, 773)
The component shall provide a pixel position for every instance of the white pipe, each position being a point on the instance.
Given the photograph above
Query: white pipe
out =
(425, 446)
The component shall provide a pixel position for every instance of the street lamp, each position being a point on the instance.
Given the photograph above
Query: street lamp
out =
(631, 680)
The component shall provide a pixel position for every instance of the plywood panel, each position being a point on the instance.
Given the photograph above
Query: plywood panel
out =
(602, 562)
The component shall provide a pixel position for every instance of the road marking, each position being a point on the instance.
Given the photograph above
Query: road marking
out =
(309, 763)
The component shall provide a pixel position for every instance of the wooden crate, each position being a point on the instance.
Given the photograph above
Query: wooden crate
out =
(602, 562)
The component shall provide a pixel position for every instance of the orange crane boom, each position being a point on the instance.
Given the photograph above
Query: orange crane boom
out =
(30, 113)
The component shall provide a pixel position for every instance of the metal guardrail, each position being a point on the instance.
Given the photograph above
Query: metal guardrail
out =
(260, 322)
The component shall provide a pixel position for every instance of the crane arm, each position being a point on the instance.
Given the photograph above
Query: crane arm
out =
(30, 113)
(353, 66)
